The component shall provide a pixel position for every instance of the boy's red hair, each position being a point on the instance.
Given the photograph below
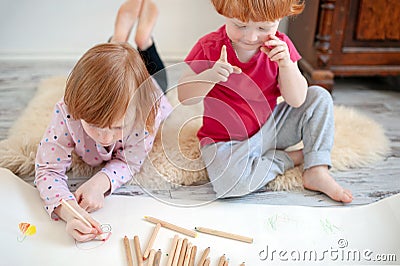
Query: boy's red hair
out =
(258, 10)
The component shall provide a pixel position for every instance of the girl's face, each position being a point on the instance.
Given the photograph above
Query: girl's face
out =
(104, 136)
(250, 36)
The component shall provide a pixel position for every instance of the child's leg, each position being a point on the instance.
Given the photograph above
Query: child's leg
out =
(155, 66)
(237, 168)
(313, 123)
(147, 20)
(126, 18)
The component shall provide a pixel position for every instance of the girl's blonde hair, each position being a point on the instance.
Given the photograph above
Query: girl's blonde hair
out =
(258, 10)
(105, 82)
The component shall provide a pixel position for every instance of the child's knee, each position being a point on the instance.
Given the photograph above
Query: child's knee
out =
(320, 95)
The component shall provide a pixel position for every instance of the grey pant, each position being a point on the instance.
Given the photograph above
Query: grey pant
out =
(237, 168)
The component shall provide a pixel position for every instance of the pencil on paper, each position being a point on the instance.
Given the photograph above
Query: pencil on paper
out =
(157, 258)
(172, 250)
(222, 260)
(152, 254)
(224, 234)
(75, 212)
(139, 256)
(193, 255)
(177, 252)
(187, 255)
(171, 226)
(203, 257)
(151, 241)
(183, 252)
(128, 251)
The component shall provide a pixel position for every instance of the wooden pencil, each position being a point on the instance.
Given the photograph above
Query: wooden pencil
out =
(157, 259)
(128, 251)
(172, 250)
(187, 254)
(151, 240)
(183, 252)
(171, 226)
(177, 252)
(204, 256)
(206, 262)
(139, 256)
(193, 255)
(243, 264)
(75, 212)
(221, 260)
(224, 234)
(150, 260)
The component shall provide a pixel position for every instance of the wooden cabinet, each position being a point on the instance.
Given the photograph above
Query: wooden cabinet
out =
(347, 38)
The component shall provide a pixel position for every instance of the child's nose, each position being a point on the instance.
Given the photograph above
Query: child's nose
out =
(106, 136)
(251, 36)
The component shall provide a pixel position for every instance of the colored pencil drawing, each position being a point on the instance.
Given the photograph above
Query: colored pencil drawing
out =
(26, 229)
(278, 220)
(328, 227)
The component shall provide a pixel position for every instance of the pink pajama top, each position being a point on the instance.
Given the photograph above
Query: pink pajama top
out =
(65, 134)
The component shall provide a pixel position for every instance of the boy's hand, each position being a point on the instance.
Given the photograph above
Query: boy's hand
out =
(277, 51)
(90, 195)
(222, 69)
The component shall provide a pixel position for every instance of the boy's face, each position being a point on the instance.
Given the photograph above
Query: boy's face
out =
(250, 35)
(104, 136)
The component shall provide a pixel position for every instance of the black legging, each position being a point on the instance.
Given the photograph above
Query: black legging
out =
(155, 66)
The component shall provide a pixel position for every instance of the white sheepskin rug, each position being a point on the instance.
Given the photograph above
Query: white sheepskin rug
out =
(175, 158)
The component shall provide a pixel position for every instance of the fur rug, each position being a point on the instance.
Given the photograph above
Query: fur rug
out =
(175, 158)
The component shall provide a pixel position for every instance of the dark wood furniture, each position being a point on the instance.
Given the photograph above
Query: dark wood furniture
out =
(347, 38)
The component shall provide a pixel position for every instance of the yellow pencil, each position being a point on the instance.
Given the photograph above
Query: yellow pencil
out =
(128, 251)
(139, 256)
(224, 234)
(151, 241)
(171, 226)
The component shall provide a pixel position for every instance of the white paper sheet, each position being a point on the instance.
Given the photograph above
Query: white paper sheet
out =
(284, 235)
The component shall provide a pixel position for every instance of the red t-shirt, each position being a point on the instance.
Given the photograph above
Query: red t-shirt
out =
(236, 109)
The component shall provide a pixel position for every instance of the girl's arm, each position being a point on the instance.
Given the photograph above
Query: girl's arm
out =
(53, 158)
(192, 87)
(292, 84)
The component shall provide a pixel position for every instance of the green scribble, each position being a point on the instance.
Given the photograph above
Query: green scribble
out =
(328, 227)
(272, 221)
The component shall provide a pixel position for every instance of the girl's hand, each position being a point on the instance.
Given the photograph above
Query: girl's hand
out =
(277, 51)
(80, 231)
(90, 195)
(222, 69)
(76, 228)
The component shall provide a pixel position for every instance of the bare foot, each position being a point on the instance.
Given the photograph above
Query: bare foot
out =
(126, 18)
(147, 19)
(317, 178)
(296, 156)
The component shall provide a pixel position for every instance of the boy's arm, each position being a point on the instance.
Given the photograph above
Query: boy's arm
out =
(193, 87)
(292, 84)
